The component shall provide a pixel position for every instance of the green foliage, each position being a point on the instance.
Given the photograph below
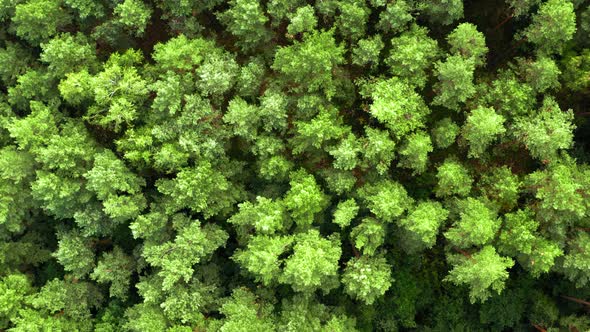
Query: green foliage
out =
(367, 51)
(133, 15)
(261, 257)
(542, 74)
(367, 278)
(552, 26)
(386, 199)
(249, 165)
(114, 267)
(176, 258)
(305, 198)
(245, 20)
(368, 236)
(303, 20)
(412, 54)
(502, 187)
(466, 41)
(482, 127)
(395, 16)
(241, 315)
(547, 131)
(37, 20)
(445, 133)
(477, 224)
(455, 81)
(352, 20)
(442, 11)
(200, 189)
(75, 253)
(309, 64)
(266, 217)
(483, 272)
(14, 60)
(14, 290)
(453, 179)
(398, 106)
(577, 68)
(345, 212)
(378, 149)
(575, 263)
(414, 152)
(424, 221)
(313, 264)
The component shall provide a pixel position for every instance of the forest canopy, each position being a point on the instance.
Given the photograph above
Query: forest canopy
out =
(294, 165)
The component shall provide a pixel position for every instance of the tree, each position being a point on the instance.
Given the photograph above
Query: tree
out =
(345, 212)
(261, 257)
(424, 221)
(175, 259)
(378, 149)
(547, 131)
(15, 289)
(114, 267)
(484, 272)
(266, 216)
(414, 152)
(519, 238)
(502, 187)
(398, 106)
(133, 15)
(542, 74)
(118, 93)
(466, 41)
(346, 153)
(455, 81)
(445, 132)
(412, 55)
(75, 253)
(245, 19)
(16, 175)
(15, 60)
(477, 224)
(368, 236)
(367, 278)
(367, 51)
(575, 262)
(552, 26)
(303, 20)
(481, 128)
(313, 264)
(117, 187)
(577, 66)
(396, 16)
(352, 21)
(560, 191)
(510, 96)
(205, 184)
(305, 199)
(308, 64)
(521, 7)
(241, 315)
(453, 179)
(442, 11)
(37, 20)
(86, 8)
(386, 199)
